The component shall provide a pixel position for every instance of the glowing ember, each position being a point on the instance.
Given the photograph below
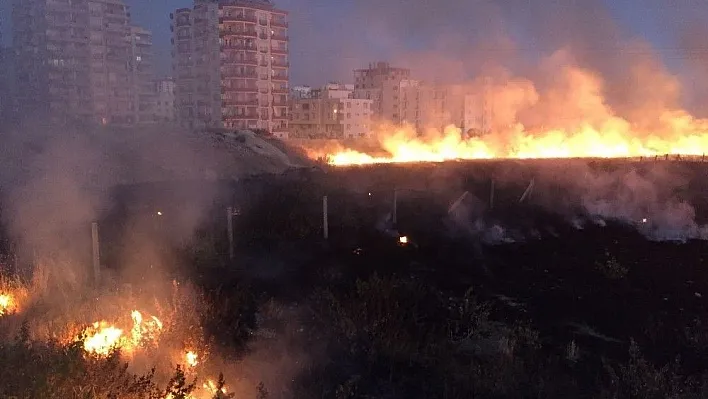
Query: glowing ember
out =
(8, 304)
(191, 359)
(403, 240)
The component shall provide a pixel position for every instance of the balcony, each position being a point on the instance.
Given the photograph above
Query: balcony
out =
(278, 24)
(275, 50)
(242, 89)
(280, 91)
(280, 117)
(239, 47)
(279, 77)
(239, 33)
(263, 49)
(282, 38)
(263, 22)
(239, 61)
(278, 103)
(228, 73)
(263, 36)
(241, 116)
(238, 18)
(233, 101)
(280, 64)
(263, 63)
(263, 90)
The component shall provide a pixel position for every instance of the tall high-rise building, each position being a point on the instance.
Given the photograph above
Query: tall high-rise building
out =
(75, 60)
(51, 42)
(230, 61)
(142, 76)
(6, 83)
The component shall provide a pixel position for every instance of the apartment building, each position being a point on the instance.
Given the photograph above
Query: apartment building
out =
(230, 61)
(51, 40)
(401, 100)
(74, 60)
(371, 82)
(165, 103)
(6, 83)
(144, 104)
(332, 112)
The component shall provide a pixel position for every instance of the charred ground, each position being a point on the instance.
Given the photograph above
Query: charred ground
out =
(539, 299)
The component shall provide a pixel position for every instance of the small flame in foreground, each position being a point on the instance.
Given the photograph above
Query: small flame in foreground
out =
(102, 337)
(191, 358)
(212, 387)
(8, 305)
(403, 240)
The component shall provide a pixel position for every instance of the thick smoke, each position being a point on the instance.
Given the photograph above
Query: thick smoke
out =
(647, 201)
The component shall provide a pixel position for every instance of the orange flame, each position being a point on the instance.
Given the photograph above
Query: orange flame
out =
(8, 304)
(102, 337)
(191, 359)
(614, 140)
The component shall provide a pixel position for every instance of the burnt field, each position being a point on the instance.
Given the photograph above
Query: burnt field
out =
(569, 278)
(589, 255)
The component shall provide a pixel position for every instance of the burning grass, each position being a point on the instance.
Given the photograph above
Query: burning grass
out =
(13, 295)
(144, 343)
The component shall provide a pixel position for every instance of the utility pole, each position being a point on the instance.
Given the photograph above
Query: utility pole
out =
(96, 254)
(325, 221)
(491, 196)
(230, 230)
(394, 214)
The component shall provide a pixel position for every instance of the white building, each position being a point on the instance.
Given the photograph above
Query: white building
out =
(331, 112)
(165, 101)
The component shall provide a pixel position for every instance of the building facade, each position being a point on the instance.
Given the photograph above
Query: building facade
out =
(7, 93)
(144, 103)
(75, 60)
(165, 102)
(377, 83)
(231, 65)
(332, 112)
(400, 100)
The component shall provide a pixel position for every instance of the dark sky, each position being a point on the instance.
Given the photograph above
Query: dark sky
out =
(330, 38)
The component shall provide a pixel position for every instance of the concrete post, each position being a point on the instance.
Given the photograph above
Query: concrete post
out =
(394, 214)
(325, 218)
(528, 191)
(491, 196)
(230, 230)
(96, 254)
